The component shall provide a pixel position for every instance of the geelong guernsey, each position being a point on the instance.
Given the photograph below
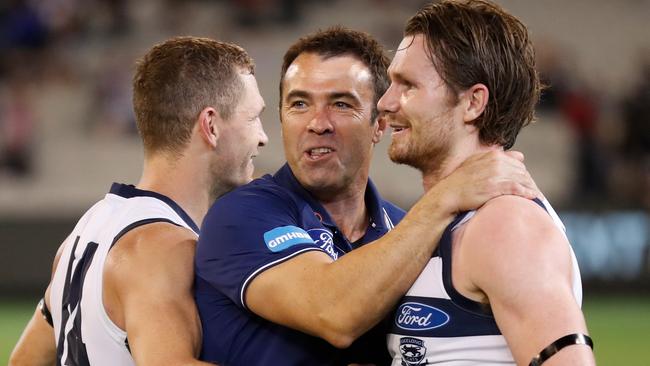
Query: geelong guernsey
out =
(434, 324)
(251, 230)
(84, 333)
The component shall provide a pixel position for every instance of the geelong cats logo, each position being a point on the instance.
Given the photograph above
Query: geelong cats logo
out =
(412, 350)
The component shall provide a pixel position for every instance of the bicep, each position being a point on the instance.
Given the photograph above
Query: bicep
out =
(153, 276)
(525, 269)
(243, 236)
(533, 315)
(282, 294)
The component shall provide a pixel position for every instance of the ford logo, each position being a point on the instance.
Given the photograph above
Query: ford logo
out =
(416, 316)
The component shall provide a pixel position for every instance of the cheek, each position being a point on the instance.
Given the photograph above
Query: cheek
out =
(361, 141)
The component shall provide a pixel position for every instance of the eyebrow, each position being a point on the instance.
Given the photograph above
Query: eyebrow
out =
(396, 75)
(333, 95)
(343, 95)
(297, 94)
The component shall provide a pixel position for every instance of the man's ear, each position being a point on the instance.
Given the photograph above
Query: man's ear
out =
(208, 125)
(476, 98)
(379, 128)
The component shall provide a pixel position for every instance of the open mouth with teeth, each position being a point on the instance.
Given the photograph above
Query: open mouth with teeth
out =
(318, 153)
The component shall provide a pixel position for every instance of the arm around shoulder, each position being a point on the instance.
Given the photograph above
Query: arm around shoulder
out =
(521, 261)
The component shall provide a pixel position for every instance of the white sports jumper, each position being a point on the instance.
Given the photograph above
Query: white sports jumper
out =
(434, 324)
(84, 333)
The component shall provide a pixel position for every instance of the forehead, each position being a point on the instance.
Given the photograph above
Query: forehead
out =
(250, 97)
(316, 74)
(412, 60)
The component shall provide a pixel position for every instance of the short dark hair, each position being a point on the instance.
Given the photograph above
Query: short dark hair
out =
(340, 41)
(177, 79)
(476, 41)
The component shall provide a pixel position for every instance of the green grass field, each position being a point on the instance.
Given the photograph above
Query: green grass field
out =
(620, 327)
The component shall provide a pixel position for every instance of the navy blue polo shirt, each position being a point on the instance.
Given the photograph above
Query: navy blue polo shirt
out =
(252, 229)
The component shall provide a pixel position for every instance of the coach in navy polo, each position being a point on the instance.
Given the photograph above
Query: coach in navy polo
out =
(294, 268)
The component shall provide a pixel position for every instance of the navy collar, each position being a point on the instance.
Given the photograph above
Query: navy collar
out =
(378, 215)
(129, 191)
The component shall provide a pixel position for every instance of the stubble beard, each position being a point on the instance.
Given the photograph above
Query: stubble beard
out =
(425, 153)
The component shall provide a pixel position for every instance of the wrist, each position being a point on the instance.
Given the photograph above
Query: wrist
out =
(434, 208)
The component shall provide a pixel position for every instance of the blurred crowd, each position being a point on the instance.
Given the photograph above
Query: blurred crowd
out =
(45, 43)
(611, 133)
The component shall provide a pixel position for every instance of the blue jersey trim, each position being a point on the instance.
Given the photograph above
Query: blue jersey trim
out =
(129, 191)
(136, 224)
(444, 250)
(456, 322)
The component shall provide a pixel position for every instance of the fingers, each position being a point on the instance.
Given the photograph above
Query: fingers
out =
(484, 176)
(516, 180)
(518, 189)
(515, 155)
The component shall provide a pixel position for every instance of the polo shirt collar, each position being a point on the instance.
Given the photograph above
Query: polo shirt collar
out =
(378, 215)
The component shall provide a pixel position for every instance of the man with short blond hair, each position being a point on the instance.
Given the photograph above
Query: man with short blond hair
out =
(121, 288)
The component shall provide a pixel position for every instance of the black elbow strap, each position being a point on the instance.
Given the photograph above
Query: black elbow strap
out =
(555, 347)
(45, 312)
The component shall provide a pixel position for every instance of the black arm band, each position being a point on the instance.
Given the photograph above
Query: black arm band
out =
(45, 312)
(555, 347)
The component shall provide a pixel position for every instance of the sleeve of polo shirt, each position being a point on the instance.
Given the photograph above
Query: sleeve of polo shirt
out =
(246, 232)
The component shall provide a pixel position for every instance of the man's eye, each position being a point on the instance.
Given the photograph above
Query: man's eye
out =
(341, 105)
(298, 104)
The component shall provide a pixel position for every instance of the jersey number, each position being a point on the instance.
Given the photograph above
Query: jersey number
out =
(71, 343)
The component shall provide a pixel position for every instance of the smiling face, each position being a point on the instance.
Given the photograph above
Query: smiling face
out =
(420, 108)
(326, 122)
(240, 137)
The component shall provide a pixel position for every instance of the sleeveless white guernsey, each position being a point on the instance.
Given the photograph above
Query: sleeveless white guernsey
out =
(84, 333)
(434, 324)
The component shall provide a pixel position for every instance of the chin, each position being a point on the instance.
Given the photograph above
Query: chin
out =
(398, 154)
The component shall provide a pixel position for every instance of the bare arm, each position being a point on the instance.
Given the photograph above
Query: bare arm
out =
(148, 285)
(37, 345)
(522, 263)
(338, 301)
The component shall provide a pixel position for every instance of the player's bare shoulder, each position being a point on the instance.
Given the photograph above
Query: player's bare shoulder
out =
(511, 220)
(157, 255)
(512, 237)
(155, 240)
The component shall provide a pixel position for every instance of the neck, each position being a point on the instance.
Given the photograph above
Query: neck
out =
(180, 180)
(433, 175)
(349, 212)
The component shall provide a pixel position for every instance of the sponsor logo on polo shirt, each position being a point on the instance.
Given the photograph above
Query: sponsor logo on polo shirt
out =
(416, 316)
(325, 240)
(284, 237)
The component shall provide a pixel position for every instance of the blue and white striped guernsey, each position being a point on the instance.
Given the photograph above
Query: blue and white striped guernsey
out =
(434, 324)
(84, 332)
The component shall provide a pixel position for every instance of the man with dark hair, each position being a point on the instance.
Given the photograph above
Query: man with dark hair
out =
(293, 268)
(121, 288)
(504, 283)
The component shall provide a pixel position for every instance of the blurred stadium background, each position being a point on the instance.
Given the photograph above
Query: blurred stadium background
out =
(67, 131)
